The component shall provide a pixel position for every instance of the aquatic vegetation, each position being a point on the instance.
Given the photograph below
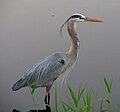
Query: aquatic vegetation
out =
(85, 100)
(82, 100)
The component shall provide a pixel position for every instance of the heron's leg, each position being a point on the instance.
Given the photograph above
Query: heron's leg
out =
(47, 98)
(48, 93)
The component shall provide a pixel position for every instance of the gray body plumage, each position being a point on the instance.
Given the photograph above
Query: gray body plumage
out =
(45, 72)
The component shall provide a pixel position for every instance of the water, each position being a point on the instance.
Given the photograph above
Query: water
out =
(29, 31)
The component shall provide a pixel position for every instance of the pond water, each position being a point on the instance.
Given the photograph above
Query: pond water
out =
(29, 31)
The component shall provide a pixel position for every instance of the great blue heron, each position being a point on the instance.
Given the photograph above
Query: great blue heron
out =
(45, 72)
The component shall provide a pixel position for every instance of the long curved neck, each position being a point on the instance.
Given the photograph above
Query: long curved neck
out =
(74, 39)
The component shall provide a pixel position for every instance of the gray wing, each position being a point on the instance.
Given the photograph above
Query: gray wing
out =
(43, 73)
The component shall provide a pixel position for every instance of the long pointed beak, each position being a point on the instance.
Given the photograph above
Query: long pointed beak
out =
(92, 20)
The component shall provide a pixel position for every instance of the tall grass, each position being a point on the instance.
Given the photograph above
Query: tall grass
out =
(82, 100)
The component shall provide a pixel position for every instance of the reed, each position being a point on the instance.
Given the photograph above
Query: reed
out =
(82, 100)
(85, 100)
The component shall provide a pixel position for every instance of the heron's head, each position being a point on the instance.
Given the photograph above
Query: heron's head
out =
(81, 18)
(78, 18)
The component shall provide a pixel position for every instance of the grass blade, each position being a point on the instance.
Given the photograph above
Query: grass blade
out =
(108, 101)
(73, 96)
(84, 102)
(80, 93)
(64, 106)
(72, 107)
(110, 85)
(33, 89)
(31, 92)
(88, 102)
(107, 85)
(56, 98)
(101, 105)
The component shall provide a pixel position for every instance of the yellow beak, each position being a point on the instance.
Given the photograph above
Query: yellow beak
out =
(92, 20)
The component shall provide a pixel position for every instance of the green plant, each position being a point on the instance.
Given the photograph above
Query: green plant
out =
(108, 85)
(32, 90)
(75, 99)
(83, 100)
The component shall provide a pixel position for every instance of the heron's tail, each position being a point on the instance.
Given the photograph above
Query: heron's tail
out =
(19, 84)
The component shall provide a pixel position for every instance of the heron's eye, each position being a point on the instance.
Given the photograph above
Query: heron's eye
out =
(62, 61)
(81, 17)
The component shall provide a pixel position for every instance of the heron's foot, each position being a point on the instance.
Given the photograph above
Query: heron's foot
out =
(47, 102)
(48, 109)
(15, 110)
